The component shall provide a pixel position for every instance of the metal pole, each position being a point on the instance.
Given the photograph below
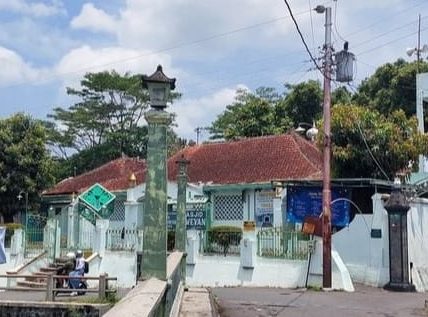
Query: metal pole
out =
(418, 49)
(326, 192)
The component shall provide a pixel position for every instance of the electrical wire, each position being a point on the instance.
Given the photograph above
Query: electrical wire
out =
(366, 144)
(335, 21)
(390, 42)
(302, 37)
(386, 33)
(422, 3)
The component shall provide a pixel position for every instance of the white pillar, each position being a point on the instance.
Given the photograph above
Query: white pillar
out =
(131, 214)
(248, 249)
(71, 226)
(277, 212)
(421, 92)
(17, 245)
(192, 246)
(101, 227)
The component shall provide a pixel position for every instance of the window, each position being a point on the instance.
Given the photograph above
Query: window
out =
(228, 207)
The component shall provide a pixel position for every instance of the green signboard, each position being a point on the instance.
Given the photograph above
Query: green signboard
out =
(97, 200)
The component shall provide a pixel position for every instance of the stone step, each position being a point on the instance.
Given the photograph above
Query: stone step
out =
(48, 269)
(31, 284)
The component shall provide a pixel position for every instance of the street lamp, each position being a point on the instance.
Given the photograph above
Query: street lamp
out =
(155, 201)
(159, 87)
(311, 132)
(417, 50)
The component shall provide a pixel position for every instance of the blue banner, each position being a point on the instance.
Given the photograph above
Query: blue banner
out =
(307, 201)
(2, 250)
(195, 217)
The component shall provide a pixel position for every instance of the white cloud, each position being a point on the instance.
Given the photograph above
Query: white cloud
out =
(15, 70)
(168, 23)
(87, 59)
(200, 112)
(37, 9)
(94, 19)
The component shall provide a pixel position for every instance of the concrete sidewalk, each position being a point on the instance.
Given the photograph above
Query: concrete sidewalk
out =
(196, 302)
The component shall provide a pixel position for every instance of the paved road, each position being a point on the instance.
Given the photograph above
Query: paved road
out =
(365, 301)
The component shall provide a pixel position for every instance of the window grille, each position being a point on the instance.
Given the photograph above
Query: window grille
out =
(228, 207)
(119, 211)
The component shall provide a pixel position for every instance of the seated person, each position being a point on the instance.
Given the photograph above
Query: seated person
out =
(78, 271)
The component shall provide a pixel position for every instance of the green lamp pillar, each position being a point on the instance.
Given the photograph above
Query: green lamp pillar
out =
(180, 228)
(155, 202)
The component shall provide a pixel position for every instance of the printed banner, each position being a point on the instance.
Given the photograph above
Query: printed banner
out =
(307, 201)
(195, 217)
(2, 250)
(264, 208)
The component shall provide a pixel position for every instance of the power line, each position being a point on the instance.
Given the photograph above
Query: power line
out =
(386, 33)
(302, 38)
(390, 42)
(422, 3)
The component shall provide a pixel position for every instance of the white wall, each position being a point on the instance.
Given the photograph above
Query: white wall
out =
(211, 271)
(220, 271)
(417, 231)
(366, 258)
(120, 264)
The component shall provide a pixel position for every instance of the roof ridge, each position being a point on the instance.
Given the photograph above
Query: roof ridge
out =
(294, 136)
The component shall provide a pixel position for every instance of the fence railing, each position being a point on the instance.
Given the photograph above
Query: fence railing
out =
(222, 242)
(51, 290)
(280, 243)
(122, 239)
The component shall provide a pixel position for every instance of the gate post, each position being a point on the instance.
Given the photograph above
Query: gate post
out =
(397, 207)
(101, 227)
(71, 215)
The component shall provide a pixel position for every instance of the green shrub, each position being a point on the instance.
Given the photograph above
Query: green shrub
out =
(170, 240)
(224, 236)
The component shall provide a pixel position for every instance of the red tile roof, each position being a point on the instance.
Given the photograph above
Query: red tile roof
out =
(113, 175)
(251, 160)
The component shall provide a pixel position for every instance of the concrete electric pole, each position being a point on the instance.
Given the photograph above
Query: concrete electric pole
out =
(326, 191)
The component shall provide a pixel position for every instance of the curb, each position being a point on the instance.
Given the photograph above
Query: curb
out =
(214, 304)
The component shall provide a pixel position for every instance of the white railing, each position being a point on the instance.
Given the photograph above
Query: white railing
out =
(123, 239)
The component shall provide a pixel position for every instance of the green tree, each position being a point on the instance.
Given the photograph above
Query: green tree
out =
(252, 114)
(367, 143)
(391, 87)
(110, 108)
(304, 102)
(105, 122)
(341, 95)
(25, 163)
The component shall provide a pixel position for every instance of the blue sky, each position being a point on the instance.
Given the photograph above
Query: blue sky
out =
(211, 47)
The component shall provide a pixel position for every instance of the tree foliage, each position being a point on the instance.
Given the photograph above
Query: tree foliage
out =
(392, 87)
(251, 114)
(266, 112)
(304, 102)
(367, 143)
(25, 163)
(105, 122)
(110, 109)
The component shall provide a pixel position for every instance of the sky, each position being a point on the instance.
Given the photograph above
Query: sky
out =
(212, 48)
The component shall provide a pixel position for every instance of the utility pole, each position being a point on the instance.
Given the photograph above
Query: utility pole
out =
(418, 50)
(198, 131)
(326, 191)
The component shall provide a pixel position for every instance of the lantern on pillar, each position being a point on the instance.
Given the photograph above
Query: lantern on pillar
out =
(159, 87)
